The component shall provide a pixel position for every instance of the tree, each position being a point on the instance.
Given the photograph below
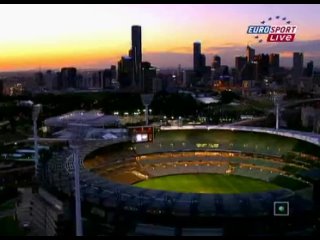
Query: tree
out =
(228, 97)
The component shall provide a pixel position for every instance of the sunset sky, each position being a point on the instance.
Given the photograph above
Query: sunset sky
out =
(96, 36)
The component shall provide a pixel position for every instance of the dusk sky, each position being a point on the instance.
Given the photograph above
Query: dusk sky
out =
(96, 36)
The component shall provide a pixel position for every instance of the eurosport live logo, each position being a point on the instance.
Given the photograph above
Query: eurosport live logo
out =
(277, 29)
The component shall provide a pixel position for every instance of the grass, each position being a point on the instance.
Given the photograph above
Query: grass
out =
(10, 227)
(207, 183)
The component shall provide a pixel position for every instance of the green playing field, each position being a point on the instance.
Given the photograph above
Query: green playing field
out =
(207, 183)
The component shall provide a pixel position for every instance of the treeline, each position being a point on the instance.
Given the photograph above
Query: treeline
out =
(171, 104)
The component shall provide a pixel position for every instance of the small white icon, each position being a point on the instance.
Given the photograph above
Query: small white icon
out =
(281, 208)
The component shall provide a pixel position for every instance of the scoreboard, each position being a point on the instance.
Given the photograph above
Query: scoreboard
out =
(141, 134)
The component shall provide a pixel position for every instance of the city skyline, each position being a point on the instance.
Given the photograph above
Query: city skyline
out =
(96, 36)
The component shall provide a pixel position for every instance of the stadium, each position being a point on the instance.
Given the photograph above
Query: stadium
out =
(193, 180)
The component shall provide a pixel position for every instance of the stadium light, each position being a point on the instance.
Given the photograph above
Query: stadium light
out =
(276, 100)
(76, 141)
(146, 101)
(35, 114)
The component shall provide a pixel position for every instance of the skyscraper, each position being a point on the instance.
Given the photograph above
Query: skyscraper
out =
(250, 53)
(136, 43)
(108, 75)
(149, 74)
(69, 77)
(274, 61)
(136, 54)
(125, 72)
(1, 87)
(297, 68)
(196, 56)
(202, 62)
(263, 65)
(216, 62)
(240, 62)
(309, 69)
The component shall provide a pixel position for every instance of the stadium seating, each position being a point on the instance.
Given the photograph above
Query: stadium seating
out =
(105, 179)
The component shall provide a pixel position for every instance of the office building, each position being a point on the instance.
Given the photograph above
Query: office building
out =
(196, 56)
(250, 53)
(136, 54)
(274, 63)
(125, 72)
(68, 77)
(309, 69)
(130, 67)
(216, 62)
(108, 76)
(297, 68)
(149, 74)
(240, 62)
(262, 61)
(199, 64)
(1, 87)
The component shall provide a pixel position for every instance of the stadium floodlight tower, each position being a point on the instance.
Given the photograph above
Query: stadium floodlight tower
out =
(78, 134)
(146, 101)
(35, 114)
(276, 100)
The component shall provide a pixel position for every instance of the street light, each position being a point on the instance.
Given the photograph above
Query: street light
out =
(276, 100)
(146, 101)
(35, 114)
(78, 134)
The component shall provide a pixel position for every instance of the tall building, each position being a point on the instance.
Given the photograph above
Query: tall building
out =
(69, 77)
(250, 72)
(136, 54)
(125, 72)
(202, 62)
(199, 65)
(149, 74)
(309, 69)
(216, 62)
(129, 68)
(96, 79)
(49, 78)
(250, 53)
(113, 69)
(240, 62)
(188, 75)
(108, 76)
(39, 79)
(136, 43)
(1, 87)
(196, 56)
(263, 65)
(274, 62)
(297, 68)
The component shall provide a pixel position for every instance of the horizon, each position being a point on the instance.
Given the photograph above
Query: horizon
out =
(168, 32)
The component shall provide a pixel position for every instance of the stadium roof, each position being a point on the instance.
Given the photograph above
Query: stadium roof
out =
(92, 118)
(207, 100)
(95, 133)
